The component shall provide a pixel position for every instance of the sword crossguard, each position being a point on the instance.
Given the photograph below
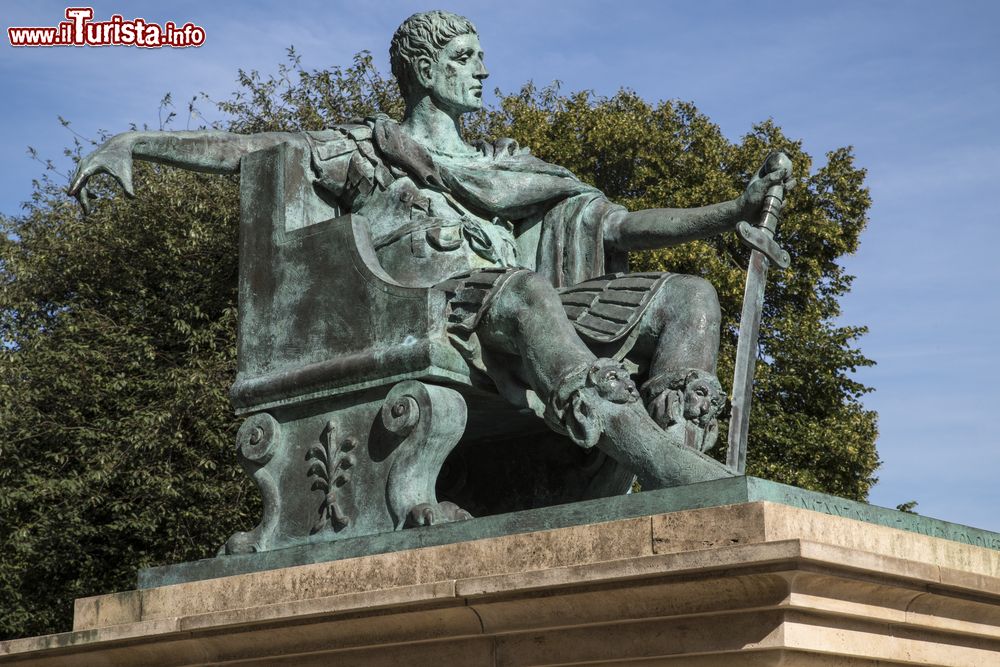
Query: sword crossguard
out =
(757, 238)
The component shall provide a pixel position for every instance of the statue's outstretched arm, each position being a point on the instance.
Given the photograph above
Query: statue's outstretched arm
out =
(662, 227)
(210, 151)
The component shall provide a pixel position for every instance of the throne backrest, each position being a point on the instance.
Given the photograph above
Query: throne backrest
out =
(318, 315)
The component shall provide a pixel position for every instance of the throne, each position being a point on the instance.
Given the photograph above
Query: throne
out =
(360, 415)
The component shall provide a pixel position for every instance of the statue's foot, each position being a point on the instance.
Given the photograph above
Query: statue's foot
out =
(687, 402)
(430, 514)
(598, 405)
(660, 458)
(696, 436)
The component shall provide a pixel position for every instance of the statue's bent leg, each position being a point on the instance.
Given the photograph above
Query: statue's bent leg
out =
(680, 337)
(591, 400)
(527, 319)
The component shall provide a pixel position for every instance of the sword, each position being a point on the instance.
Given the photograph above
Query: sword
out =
(764, 250)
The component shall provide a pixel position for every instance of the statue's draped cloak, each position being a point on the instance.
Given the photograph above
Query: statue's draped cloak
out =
(558, 220)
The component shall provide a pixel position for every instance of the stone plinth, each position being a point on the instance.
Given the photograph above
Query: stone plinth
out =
(754, 583)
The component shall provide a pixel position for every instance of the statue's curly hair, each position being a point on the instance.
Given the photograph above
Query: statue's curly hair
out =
(423, 34)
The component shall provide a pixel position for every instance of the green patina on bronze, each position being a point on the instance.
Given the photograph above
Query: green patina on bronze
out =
(431, 330)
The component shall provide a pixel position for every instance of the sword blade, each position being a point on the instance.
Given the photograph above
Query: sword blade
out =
(746, 361)
(753, 306)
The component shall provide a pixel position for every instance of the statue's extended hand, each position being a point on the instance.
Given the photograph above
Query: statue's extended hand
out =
(776, 170)
(113, 158)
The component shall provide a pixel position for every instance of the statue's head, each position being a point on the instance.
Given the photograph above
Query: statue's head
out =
(438, 53)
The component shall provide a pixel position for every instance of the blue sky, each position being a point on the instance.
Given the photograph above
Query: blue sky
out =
(913, 86)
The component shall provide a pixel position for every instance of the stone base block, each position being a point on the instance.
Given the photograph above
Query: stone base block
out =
(757, 583)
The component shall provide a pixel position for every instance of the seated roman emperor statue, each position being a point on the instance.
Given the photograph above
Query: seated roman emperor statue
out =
(532, 260)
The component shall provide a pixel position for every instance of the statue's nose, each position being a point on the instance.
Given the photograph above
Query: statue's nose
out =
(482, 73)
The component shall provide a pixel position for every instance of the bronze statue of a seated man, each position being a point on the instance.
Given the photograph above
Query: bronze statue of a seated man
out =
(532, 260)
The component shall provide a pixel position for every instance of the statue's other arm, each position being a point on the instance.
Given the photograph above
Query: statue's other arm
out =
(210, 151)
(662, 227)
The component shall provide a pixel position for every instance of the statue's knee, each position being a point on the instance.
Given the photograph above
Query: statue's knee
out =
(700, 299)
(531, 292)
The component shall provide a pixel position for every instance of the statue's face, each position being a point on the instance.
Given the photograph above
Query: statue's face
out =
(456, 76)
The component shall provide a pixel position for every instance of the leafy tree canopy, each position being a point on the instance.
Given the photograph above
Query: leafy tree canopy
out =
(118, 331)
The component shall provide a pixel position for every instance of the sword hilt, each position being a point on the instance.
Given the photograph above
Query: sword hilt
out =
(771, 209)
(761, 236)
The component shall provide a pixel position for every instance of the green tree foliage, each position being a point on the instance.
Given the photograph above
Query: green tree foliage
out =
(118, 331)
(115, 430)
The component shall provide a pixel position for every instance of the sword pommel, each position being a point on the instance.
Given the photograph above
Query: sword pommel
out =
(774, 161)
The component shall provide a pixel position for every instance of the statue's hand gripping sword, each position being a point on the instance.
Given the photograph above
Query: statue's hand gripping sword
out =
(764, 250)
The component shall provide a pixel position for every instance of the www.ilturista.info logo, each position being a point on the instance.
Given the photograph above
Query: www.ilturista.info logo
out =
(80, 30)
